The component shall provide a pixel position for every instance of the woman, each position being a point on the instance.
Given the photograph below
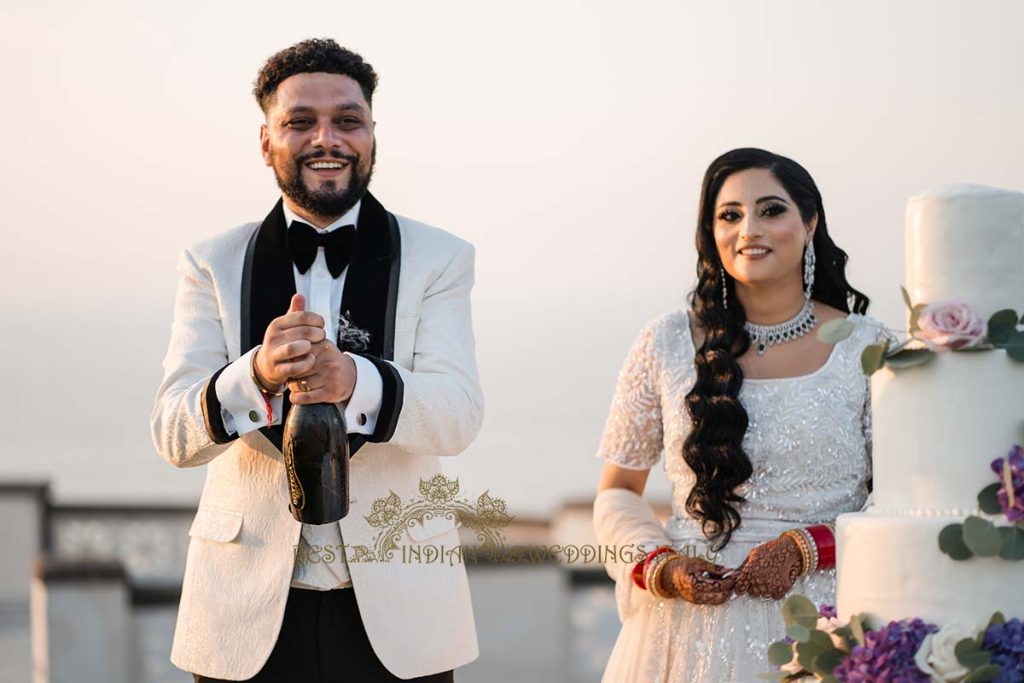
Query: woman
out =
(764, 427)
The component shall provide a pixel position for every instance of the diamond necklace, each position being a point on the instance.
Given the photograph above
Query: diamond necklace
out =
(769, 335)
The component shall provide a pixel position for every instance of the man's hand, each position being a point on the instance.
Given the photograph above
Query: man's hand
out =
(331, 379)
(696, 580)
(771, 569)
(290, 345)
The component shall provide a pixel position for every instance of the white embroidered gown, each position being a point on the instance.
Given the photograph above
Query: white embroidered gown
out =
(809, 442)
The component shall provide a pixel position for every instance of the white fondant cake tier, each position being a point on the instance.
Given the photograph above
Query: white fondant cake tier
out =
(966, 242)
(938, 427)
(891, 568)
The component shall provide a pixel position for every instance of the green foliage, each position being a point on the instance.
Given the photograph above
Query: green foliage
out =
(907, 358)
(982, 537)
(836, 330)
(799, 610)
(1001, 326)
(951, 542)
(873, 358)
(983, 674)
(780, 653)
(970, 654)
(915, 318)
(988, 500)
(1011, 543)
(798, 632)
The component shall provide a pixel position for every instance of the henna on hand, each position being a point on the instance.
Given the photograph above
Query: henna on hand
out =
(696, 580)
(770, 569)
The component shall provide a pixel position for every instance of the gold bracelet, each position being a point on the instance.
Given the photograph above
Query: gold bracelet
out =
(256, 380)
(655, 586)
(806, 554)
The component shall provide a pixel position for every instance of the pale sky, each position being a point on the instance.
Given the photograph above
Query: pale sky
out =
(566, 140)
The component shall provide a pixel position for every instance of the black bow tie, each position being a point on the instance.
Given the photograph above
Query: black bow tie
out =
(303, 241)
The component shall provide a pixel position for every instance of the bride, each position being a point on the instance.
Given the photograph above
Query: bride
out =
(765, 431)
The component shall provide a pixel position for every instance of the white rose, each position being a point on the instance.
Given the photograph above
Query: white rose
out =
(937, 657)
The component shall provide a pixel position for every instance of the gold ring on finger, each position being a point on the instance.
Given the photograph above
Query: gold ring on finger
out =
(304, 385)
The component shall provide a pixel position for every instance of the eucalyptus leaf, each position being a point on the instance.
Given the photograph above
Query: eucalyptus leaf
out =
(951, 542)
(806, 653)
(985, 674)
(906, 298)
(996, 618)
(1012, 543)
(982, 537)
(857, 629)
(1001, 325)
(818, 643)
(798, 632)
(915, 317)
(836, 330)
(799, 610)
(908, 358)
(872, 358)
(988, 500)
(1015, 346)
(827, 661)
(970, 654)
(780, 653)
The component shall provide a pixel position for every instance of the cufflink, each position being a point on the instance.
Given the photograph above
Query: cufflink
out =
(361, 419)
(254, 416)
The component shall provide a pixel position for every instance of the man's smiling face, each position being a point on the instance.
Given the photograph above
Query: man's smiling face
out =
(318, 138)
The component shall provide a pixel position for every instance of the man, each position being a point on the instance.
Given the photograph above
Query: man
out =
(256, 327)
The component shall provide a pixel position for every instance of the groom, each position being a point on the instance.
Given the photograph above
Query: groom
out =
(256, 329)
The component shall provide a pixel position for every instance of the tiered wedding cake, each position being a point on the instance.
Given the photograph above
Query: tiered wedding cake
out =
(939, 426)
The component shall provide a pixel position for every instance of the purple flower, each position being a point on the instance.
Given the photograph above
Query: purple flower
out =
(1015, 512)
(887, 655)
(827, 611)
(1006, 643)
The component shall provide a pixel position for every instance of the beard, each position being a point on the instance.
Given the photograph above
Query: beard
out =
(328, 201)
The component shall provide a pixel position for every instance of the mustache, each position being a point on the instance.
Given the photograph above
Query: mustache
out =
(334, 154)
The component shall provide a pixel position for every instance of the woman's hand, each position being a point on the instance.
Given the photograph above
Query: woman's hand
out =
(770, 569)
(696, 580)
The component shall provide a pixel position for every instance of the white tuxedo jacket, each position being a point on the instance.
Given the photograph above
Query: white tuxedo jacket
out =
(409, 285)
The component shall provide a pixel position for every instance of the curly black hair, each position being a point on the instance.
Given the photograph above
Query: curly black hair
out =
(312, 56)
(714, 447)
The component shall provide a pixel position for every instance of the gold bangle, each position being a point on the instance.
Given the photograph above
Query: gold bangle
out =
(256, 380)
(806, 554)
(655, 585)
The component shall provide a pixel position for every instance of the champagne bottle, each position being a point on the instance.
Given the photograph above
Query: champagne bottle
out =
(316, 453)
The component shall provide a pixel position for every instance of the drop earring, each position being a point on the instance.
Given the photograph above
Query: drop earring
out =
(809, 261)
(725, 292)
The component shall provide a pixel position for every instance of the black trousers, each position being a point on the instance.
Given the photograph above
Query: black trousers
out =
(322, 640)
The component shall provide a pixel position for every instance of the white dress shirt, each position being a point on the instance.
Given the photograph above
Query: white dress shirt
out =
(243, 408)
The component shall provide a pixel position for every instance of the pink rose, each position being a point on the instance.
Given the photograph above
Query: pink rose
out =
(951, 324)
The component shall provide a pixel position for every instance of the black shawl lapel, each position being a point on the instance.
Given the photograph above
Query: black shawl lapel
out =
(368, 300)
(268, 284)
(367, 283)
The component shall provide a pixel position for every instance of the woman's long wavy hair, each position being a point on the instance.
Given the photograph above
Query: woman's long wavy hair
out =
(714, 447)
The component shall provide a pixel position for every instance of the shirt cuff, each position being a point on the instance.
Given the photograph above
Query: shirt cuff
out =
(241, 403)
(363, 405)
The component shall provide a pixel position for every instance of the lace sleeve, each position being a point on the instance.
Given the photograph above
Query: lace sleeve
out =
(633, 432)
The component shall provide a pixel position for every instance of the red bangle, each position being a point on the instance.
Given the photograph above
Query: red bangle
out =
(826, 543)
(638, 574)
(640, 569)
(270, 409)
